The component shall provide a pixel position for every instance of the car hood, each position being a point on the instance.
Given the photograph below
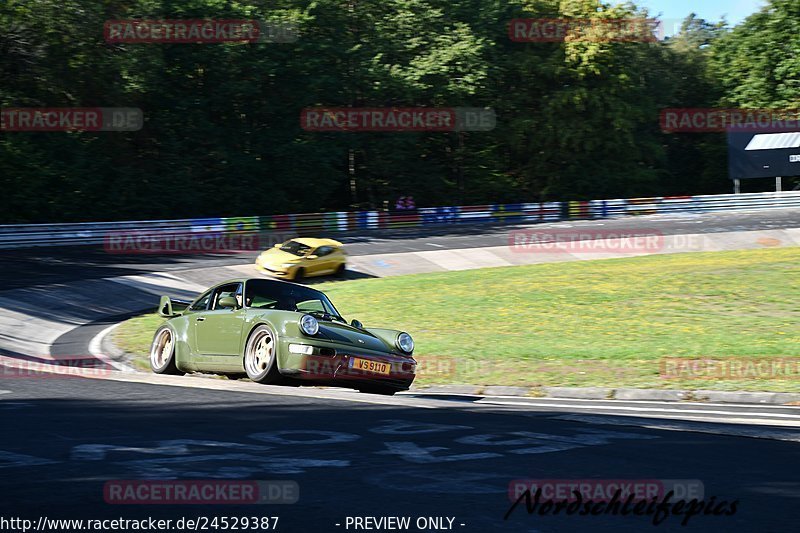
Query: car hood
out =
(345, 334)
(275, 256)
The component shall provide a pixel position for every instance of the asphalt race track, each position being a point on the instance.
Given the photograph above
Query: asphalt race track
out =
(359, 455)
(354, 459)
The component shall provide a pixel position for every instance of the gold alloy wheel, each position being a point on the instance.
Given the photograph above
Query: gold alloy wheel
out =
(161, 350)
(260, 352)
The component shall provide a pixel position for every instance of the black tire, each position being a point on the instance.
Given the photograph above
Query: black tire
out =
(384, 391)
(261, 361)
(162, 352)
(340, 270)
(299, 274)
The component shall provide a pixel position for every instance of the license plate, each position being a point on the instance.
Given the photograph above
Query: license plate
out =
(370, 366)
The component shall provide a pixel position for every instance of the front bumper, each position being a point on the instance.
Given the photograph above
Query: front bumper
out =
(339, 368)
(275, 271)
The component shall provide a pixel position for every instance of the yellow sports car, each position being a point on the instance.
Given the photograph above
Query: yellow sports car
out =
(302, 257)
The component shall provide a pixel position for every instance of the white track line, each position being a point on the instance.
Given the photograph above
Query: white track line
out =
(596, 402)
(95, 349)
(255, 388)
(689, 426)
(719, 426)
(641, 409)
(207, 382)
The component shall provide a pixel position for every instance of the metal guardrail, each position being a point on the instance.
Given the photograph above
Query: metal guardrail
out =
(93, 233)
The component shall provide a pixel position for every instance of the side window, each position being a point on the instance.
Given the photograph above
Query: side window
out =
(201, 303)
(261, 302)
(257, 300)
(232, 289)
(310, 305)
(323, 250)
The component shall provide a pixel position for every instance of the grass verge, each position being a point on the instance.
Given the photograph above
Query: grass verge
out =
(607, 323)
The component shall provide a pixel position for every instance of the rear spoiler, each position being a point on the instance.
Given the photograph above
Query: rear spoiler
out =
(167, 304)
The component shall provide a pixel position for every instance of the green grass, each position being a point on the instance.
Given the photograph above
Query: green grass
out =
(596, 323)
(135, 335)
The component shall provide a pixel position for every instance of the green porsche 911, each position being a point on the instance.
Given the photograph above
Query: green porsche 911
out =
(277, 332)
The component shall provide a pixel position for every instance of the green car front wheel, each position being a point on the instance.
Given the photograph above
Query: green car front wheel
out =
(162, 352)
(260, 356)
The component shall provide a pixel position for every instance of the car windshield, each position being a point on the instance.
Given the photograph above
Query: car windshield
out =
(269, 294)
(295, 248)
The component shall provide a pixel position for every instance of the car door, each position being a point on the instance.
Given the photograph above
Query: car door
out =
(218, 331)
(324, 260)
(311, 262)
(197, 309)
(337, 257)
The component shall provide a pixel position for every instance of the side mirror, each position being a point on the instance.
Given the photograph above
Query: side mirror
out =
(278, 245)
(312, 256)
(356, 324)
(167, 307)
(227, 302)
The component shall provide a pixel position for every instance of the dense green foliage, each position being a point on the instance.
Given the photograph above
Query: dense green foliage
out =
(576, 120)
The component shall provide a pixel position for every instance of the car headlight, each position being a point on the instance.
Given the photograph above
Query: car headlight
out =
(309, 325)
(405, 342)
